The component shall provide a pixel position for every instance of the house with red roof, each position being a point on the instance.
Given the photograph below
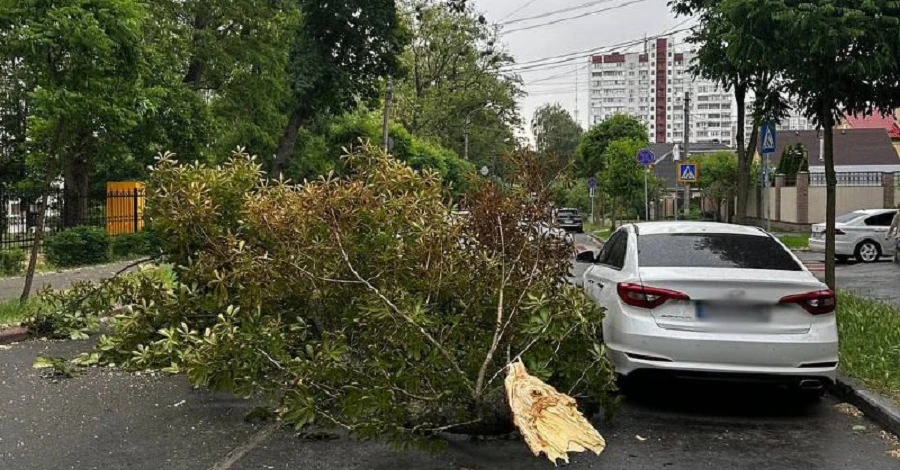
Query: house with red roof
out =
(888, 123)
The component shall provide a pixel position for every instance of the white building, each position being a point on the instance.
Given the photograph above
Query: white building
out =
(652, 85)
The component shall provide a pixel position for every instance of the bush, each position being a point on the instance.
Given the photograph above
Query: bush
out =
(77, 246)
(133, 245)
(357, 301)
(12, 262)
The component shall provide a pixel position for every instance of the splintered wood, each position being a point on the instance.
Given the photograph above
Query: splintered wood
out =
(548, 420)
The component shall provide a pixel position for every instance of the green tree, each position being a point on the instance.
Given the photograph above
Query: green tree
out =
(731, 57)
(622, 177)
(719, 179)
(591, 152)
(838, 58)
(454, 89)
(794, 159)
(341, 52)
(555, 131)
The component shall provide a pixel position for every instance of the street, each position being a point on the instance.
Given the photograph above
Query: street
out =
(109, 419)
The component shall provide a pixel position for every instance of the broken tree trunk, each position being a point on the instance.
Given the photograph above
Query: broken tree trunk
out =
(548, 420)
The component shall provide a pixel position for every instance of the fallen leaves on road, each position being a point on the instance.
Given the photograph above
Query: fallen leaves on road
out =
(848, 410)
(548, 420)
(894, 453)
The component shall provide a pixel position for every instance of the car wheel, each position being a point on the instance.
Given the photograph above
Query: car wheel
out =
(868, 252)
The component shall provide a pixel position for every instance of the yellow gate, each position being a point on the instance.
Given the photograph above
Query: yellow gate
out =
(124, 207)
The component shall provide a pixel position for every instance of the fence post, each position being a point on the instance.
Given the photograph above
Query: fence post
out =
(135, 209)
(803, 197)
(779, 183)
(888, 183)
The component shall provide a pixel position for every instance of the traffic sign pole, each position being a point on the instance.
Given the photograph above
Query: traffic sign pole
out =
(767, 148)
(646, 157)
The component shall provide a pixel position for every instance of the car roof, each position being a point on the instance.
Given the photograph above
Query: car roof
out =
(664, 228)
(871, 211)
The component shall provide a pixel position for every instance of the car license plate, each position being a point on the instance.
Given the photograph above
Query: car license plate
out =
(733, 313)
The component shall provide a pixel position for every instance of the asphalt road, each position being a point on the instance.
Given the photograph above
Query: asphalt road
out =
(880, 281)
(11, 287)
(109, 419)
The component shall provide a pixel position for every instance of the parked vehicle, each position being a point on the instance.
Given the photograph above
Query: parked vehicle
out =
(713, 300)
(861, 234)
(570, 220)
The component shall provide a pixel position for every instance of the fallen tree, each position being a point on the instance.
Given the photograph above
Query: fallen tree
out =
(362, 302)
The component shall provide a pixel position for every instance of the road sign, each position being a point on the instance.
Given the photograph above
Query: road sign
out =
(767, 139)
(688, 173)
(592, 182)
(646, 157)
(485, 171)
(591, 193)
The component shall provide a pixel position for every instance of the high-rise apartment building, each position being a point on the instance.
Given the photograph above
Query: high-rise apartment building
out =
(651, 86)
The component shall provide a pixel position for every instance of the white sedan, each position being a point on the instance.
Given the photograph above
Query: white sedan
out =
(860, 234)
(706, 299)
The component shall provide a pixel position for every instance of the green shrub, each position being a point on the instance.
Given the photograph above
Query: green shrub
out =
(12, 262)
(132, 245)
(356, 300)
(77, 246)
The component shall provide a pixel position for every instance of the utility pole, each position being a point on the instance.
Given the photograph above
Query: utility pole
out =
(388, 97)
(687, 143)
(576, 95)
(466, 136)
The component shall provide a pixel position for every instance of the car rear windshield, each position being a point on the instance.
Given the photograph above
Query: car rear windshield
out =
(568, 212)
(843, 219)
(714, 250)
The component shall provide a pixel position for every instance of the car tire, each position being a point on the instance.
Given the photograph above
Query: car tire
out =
(868, 252)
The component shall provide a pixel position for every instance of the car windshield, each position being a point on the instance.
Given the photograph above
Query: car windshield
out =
(714, 250)
(567, 212)
(847, 218)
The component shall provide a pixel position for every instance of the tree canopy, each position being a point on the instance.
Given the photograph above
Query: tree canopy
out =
(591, 151)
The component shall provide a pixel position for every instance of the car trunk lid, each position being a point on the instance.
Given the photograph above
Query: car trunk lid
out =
(731, 300)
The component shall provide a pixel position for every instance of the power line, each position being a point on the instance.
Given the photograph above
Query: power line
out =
(551, 61)
(526, 5)
(555, 12)
(570, 18)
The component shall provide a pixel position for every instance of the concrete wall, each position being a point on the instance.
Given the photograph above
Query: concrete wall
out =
(772, 204)
(897, 195)
(789, 205)
(849, 199)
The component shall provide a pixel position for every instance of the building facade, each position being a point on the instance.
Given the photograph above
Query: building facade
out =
(652, 85)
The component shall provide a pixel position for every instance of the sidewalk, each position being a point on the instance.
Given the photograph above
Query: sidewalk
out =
(11, 287)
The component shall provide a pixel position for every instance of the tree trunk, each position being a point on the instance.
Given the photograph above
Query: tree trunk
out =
(831, 195)
(743, 183)
(286, 143)
(38, 238)
(75, 203)
(197, 66)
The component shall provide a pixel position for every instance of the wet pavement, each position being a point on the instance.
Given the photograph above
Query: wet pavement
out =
(108, 419)
(879, 281)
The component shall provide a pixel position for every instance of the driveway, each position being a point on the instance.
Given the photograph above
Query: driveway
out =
(11, 287)
(880, 281)
(109, 419)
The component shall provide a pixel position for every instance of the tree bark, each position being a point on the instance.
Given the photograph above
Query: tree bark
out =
(831, 194)
(197, 66)
(744, 160)
(286, 143)
(75, 203)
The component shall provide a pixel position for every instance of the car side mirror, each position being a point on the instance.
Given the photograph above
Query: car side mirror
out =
(587, 256)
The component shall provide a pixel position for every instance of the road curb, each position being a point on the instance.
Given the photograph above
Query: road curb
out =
(878, 408)
(13, 335)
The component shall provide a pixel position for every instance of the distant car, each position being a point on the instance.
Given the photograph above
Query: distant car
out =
(570, 220)
(707, 300)
(861, 234)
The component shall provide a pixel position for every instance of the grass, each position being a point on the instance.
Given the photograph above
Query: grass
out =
(870, 342)
(12, 312)
(795, 241)
(601, 232)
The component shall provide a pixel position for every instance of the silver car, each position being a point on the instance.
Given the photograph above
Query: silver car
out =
(860, 234)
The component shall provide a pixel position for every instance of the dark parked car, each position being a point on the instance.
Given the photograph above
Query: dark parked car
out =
(570, 220)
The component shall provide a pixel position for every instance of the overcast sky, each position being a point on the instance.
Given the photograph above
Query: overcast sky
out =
(591, 30)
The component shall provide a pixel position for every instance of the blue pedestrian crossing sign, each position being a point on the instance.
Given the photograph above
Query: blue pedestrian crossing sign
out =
(767, 139)
(688, 173)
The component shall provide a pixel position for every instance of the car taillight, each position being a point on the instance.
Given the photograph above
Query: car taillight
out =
(637, 295)
(816, 303)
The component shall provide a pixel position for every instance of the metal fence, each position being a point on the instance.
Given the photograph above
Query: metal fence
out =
(118, 212)
(869, 178)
